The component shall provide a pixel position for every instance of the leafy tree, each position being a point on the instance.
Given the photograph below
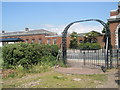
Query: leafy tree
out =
(89, 46)
(103, 31)
(91, 37)
(74, 40)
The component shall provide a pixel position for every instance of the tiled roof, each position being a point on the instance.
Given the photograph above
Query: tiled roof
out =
(81, 34)
(114, 18)
(30, 32)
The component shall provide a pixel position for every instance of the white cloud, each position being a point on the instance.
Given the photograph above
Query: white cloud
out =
(79, 28)
(53, 28)
(83, 28)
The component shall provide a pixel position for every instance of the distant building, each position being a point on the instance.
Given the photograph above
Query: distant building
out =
(40, 36)
(29, 36)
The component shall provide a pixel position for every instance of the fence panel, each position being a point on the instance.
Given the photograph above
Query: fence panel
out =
(115, 57)
(91, 58)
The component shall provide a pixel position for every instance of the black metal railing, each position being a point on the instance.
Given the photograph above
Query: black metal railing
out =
(94, 58)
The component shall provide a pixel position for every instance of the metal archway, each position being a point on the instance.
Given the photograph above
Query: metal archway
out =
(107, 42)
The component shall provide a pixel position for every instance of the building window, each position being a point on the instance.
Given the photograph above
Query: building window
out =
(33, 40)
(48, 41)
(94, 41)
(39, 41)
(80, 41)
(26, 40)
(54, 41)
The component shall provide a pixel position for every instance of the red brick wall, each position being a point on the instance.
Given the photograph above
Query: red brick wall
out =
(100, 41)
(113, 27)
(58, 39)
(113, 13)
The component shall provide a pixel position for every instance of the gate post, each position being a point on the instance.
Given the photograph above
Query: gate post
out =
(64, 48)
(84, 58)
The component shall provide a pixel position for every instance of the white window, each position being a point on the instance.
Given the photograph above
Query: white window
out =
(11, 42)
(48, 41)
(33, 40)
(26, 40)
(39, 41)
(54, 41)
(0, 44)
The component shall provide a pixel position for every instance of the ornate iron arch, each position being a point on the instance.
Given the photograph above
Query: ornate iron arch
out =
(107, 41)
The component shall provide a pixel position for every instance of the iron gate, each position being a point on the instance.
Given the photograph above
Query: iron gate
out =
(105, 56)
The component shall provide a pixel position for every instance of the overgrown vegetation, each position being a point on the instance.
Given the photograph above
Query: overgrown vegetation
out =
(89, 46)
(90, 37)
(1, 59)
(74, 40)
(89, 42)
(104, 31)
(27, 55)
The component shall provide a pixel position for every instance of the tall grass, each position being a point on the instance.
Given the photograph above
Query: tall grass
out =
(1, 62)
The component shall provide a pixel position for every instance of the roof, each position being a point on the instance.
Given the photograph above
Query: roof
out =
(25, 33)
(114, 10)
(54, 36)
(81, 34)
(114, 18)
(11, 40)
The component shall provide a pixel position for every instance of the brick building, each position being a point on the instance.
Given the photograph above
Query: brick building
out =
(42, 37)
(114, 21)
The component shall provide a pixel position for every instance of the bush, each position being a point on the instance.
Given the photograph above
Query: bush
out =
(27, 55)
(89, 46)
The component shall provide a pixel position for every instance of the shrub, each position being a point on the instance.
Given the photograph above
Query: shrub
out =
(89, 46)
(27, 55)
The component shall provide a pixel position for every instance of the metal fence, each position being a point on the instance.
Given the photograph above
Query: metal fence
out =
(115, 57)
(92, 58)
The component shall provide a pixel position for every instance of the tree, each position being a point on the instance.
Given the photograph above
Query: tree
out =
(73, 40)
(103, 31)
(91, 37)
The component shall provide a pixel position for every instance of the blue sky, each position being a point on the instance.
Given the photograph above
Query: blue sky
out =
(54, 16)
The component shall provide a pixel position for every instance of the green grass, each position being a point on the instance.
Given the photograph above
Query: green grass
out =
(55, 80)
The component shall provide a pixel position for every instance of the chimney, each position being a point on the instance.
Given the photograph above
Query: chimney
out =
(3, 31)
(26, 29)
(119, 4)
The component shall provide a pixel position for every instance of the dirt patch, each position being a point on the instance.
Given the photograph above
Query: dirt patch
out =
(78, 68)
(6, 72)
(112, 78)
(71, 70)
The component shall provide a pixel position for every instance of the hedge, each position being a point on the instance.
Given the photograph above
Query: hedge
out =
(89, 46)
(26, 55)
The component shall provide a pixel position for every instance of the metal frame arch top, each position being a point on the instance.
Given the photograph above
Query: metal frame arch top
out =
(64, 35)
